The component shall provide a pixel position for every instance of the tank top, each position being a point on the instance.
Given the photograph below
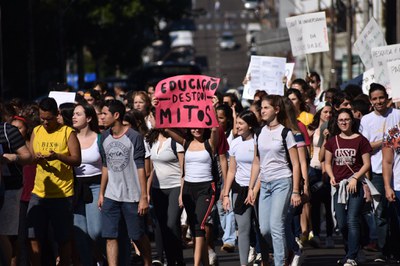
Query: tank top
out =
(91, 162)
(197, 166)
(54, 179)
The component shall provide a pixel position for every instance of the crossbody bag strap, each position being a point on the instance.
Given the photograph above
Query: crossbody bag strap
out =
(337, 143)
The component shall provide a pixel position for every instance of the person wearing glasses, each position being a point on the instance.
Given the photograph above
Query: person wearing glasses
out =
(347, 160)
(314, 80)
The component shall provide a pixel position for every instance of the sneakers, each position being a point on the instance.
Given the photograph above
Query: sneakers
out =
(228, 248)
(329, 243)
(252, 255)
(350, 262)
(212, 257)
(381, 258)
(315, 242)
(299, 242)
(157, 263)
(297, 258)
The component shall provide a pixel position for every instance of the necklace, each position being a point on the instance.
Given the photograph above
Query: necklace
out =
(273, 126)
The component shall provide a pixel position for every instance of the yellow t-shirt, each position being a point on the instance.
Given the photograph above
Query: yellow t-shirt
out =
(54, 179)
(305, 118)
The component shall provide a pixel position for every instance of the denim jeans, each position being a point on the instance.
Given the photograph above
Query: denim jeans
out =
(227, 220)
(87, 227)
(349, 220)
(273, 208)
(381, 212)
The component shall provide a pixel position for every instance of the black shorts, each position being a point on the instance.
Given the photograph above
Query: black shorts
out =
(198, 199)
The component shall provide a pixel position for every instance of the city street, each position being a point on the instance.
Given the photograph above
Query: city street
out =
(231, 16)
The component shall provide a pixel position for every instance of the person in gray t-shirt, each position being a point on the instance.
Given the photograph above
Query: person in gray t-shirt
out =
(123, 183)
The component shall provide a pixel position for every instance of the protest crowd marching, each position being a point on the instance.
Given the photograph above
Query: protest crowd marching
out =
(94, 180)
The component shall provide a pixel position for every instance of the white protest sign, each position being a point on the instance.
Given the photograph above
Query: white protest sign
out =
(265, 73)
(370, 37)
(308, 33)
(289, 67)
(380, 57)
(62, 97)
(368, 78)
(394, 77)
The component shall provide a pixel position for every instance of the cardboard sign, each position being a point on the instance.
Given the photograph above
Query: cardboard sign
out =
(266, 73)
(368, 79)
(63, 97)
(308, 33)
(380, 58)
(394, 77)
(185, 101)
(289, 67)
(370, 37)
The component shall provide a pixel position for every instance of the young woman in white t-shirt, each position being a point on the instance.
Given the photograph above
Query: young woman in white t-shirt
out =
(165, 185)
(279, 183)
(241, 155)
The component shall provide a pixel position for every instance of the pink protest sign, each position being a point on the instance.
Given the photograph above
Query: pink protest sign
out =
(186, 102)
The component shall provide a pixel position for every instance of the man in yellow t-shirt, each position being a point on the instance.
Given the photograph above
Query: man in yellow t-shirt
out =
(56, 150)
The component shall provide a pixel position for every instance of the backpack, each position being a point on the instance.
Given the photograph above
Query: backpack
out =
(284, 133)
(214, 163)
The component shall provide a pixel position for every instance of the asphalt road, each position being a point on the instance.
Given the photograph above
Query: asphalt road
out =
(231, 65)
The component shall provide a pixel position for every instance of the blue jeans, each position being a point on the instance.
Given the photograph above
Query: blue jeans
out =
(381, 211)
(273, 208)
(87, 227)
(227, 220)
(349, 220)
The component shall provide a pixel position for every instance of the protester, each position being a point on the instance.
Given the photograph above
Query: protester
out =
(123, 183)
(347, 160)
(279, 183)
(87, 217)
(55, 149)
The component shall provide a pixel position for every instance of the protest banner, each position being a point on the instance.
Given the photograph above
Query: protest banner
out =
(266, 73)
(63, 97)
(289, 67)
(185, 101)
(394, 77)
(370, 37)
(368, 78)
(308, 33)
(380, 58)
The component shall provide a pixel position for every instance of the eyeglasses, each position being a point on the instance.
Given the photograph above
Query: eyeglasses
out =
(343, 121)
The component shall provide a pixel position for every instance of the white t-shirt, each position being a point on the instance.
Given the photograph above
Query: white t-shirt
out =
(392, 140)
(167, 171)
(243, 151)
(374, 127)
(273, 162)
(198, 166)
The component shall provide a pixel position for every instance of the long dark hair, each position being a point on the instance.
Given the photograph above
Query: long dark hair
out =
(229, 117)
(354, 123)
(250, 118)
(136, 119)
(91, 112)
(315, 123)
(303, 106)
(152, 135)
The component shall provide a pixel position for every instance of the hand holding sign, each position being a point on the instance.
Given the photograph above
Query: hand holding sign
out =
(186, 101)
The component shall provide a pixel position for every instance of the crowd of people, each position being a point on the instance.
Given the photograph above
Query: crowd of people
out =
(93, 181)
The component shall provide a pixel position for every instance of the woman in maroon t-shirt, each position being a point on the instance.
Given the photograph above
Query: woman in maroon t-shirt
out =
(347, 159)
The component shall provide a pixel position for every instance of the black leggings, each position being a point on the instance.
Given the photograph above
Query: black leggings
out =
(198, 199)
(168, 214)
